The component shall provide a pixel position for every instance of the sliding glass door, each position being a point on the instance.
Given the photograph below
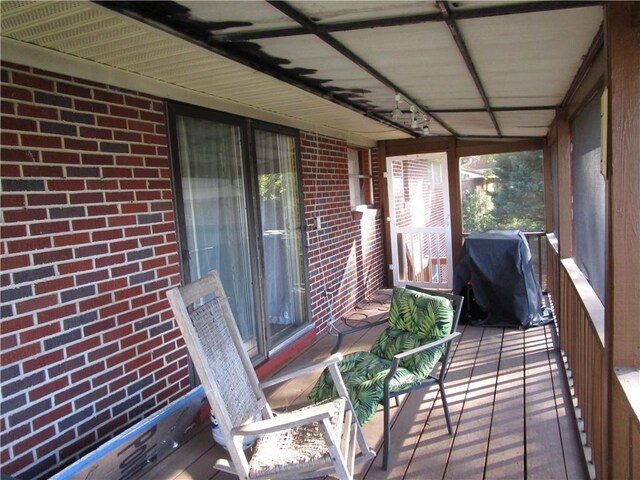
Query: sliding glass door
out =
(281, 233)
(214, 213)
(238, 211)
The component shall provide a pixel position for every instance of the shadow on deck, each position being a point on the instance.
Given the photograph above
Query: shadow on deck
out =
(510, 408)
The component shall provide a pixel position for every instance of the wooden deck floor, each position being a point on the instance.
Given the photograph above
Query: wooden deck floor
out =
(509, 407)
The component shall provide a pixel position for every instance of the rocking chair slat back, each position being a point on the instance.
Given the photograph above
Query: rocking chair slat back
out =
(226, 365)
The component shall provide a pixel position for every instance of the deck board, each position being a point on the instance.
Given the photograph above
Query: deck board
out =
(571, 444)
(432, 454)
(505, 456)
(469, 450)
(510, 410)
(542, 429)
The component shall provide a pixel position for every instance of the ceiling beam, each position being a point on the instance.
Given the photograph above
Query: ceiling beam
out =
(464, 51)
(312, 27)
(519, 8)
(147, 12)
(587, 60)
(540, 108)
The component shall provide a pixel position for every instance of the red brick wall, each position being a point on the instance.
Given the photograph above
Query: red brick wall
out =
(88, 249)
(346, 256)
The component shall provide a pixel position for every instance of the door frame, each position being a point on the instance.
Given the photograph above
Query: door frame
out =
(252, 126)
(443, 156)
(254, 223)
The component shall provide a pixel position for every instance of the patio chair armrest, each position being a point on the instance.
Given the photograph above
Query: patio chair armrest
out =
(400, 356)
(283, 377)
(286, 420)
(426, 346)
(349, 331)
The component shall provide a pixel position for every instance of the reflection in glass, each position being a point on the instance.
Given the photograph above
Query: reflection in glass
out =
(281, 233)
(215, 213)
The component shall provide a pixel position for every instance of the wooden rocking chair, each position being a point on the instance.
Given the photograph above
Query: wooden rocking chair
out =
(309, 442)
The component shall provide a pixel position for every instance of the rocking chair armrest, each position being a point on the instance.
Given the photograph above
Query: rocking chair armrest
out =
(305, 416)
(335, 358)
(349, 331)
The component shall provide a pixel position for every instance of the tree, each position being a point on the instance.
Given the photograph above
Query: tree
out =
(476, 211)
(518, 198)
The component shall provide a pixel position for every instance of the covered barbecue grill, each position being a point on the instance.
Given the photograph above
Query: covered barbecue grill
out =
(497, 266)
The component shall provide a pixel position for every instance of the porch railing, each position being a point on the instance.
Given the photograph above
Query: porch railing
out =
(580, 319)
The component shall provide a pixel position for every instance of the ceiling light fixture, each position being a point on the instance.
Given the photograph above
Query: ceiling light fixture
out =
(397, 113)
(418, 116)
(425, 128)
(414, 120)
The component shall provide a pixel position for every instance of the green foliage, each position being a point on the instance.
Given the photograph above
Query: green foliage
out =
(477, 208)
(414, 320)
(270, 186)
(511, 197)
(519, 195)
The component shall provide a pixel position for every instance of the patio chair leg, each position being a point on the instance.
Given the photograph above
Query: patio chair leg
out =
(387, 434)
(445, 405)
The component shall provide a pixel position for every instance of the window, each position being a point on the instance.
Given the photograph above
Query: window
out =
(360, 177)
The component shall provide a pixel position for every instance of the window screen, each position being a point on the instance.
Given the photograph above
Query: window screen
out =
(588, 196)
(554, 186)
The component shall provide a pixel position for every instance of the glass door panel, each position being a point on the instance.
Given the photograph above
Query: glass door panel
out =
(419, 208)
(215, 231)
(281, 234)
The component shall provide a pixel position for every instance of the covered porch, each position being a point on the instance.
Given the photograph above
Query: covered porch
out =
(95, 228)
(508, 395)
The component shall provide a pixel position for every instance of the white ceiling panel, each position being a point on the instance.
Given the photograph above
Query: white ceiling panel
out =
(476, 123)
(418, 58)
(257, 14)
(527, 124)
(522, 60)
(339, 12)
(532, 58)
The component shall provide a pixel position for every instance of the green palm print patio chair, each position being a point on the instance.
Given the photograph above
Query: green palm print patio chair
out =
(421, 328)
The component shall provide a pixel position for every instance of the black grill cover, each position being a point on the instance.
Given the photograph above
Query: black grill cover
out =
(498, 265)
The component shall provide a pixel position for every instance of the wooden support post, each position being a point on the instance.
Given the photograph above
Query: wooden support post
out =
(622, 42)
(384, 199)
(455, 201)
(565, 192)
(623, 83)
(547, 159)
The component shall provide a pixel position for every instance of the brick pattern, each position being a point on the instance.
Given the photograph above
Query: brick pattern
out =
(418, 183)
(88, 248)
(346, 256)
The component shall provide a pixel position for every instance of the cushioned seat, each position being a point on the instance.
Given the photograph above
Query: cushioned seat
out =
(415, 319)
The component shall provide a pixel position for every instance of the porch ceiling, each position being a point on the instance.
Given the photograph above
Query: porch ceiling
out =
(478, 69)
